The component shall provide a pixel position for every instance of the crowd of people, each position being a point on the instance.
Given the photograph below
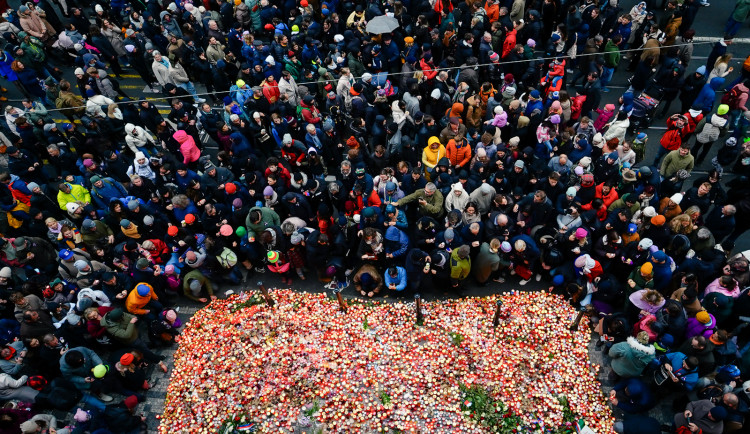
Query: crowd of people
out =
(458, 149)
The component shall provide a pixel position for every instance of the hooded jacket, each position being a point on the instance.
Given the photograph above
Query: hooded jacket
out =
(712, 129)
(430, 157)
(397, 242)
(456, 202)
(78, 193)
(138, 139)
(707, 95)
(143, 170)
(630, 358)
(189, 150)
(123, 330)
(78, 375)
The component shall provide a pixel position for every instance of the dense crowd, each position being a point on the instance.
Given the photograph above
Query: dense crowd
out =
(382, 148)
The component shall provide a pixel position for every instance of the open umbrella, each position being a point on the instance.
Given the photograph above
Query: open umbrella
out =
(382, 24)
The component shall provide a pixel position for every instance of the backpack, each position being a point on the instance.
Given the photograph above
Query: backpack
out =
(299, 113)
(227, 258)
(732, 98)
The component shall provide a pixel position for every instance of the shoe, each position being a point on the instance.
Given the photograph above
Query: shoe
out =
(260, 270)
(2, 98)
(499, 280)
(2, 89)
(163, 367)
(345, 284)
(332, 285)
(105, 398)
(524, 282)
(704, 4)
(512, 272)
(200, 100)
(605, 90)
(538, 277)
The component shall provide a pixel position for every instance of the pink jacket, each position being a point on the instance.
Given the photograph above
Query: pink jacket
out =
(729, 292)
(189, 150)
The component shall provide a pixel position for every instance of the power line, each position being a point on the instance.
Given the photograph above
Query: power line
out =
(438, 69)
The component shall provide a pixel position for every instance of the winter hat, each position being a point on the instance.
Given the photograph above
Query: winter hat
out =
(632, 228)
(558, 280)
(80, 264)
(581, 233)
(296, 238)
(170, 315)
(658, 220)
(226, 230)
(703, 317)
(71, 207)
(676, 198)
(172, 231)
(190, 218)
(81, 416)
(494, 57)
(580, 261)
(273, 256)
(719, 412)
(127, 359)
(647, 268)
(133, 205)
(131, 402)
(148, 220)
(555, 119)
(649, 211)
(141, 263)
(100, 371)
(125, 223)
(585, 162)
(722, 110)
(578, 170)
(645, 243)
(701, 70)
(169, 269)
(506, 247)
(143, 289)
(6, 272)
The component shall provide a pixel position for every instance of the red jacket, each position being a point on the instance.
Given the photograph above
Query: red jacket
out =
(428, 70)
(672, 139)
(510, 43)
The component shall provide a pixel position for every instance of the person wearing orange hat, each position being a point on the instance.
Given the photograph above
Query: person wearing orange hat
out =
(122, 326)
(641, 278)
(703, 324)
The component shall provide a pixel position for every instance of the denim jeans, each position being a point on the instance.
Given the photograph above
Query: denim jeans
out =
(190, 88)
(607, 73)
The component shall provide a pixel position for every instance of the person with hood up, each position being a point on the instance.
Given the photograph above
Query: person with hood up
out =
(188, 148)
(705, 99)
(395, 245)
(631, 357)
(141, 167)
(431, 155)
(138, 139)
(457, 198)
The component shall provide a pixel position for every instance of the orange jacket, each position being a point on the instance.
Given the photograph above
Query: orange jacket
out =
(509, 44)
(135, 303)
(458, 157)
(609, 198)
(493, 11)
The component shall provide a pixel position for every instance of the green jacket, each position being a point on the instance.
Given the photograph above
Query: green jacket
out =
(268, 217)
(123, 330)
(460, 268)
(196, 275)
(674, 162)
(611, 55)
(433, 207)
(102, 231)
(741, 10)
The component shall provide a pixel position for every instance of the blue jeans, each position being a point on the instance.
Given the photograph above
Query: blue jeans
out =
(662, 152)
(190, 88)
(607, 73)
(732, 26)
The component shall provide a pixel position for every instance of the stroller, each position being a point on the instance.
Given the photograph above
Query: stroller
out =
(644, 107)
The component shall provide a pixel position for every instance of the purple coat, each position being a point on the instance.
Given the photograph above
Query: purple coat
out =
(695, 328)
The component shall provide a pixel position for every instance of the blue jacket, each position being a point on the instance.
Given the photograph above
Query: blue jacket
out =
(397, 242)
(399, 280)
(77, 376)
(110, 190)
(183, 181)
(687, 378)
(641, 397)
(707, 95)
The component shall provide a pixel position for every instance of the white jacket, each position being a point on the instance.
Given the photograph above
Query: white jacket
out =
(138, 140)
(99, 297)
(456, 202)
(617, 130)
(712, 129)
(95, 103)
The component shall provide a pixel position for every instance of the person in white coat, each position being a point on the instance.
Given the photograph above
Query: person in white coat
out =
(136, 138)
(457, 198)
